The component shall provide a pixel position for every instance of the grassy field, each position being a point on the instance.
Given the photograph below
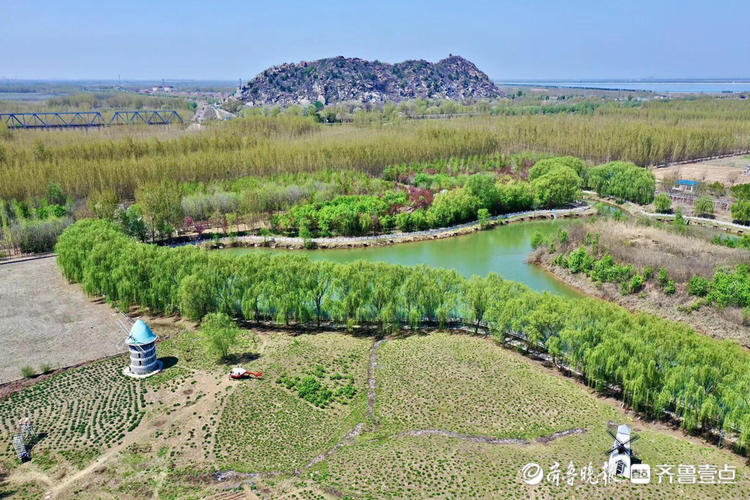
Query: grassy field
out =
(267, 427)
(440, 467)
(194, 423)
(454, 383)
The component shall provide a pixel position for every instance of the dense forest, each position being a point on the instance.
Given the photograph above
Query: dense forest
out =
(282, 143)
(657, 366)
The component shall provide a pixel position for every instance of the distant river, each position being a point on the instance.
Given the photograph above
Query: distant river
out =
(502, 250)
(658, 86)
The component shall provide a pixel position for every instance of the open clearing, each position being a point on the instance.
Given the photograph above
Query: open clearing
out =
(728, 171)
(46, 320)
(437, 415)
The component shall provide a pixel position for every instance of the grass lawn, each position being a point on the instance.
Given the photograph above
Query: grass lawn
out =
(266, 427)
(466, 384)
(437, 467)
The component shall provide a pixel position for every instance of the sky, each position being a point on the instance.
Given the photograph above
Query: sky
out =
(231, 40)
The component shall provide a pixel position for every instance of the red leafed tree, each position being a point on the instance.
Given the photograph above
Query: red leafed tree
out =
(420, 198)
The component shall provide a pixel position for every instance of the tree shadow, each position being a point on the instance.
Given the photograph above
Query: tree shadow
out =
(168, 362)
(5, 493)
(245, 357)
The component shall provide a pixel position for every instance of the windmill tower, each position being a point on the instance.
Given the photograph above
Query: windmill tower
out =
(141, 343)
(22, 439)
(621, 453)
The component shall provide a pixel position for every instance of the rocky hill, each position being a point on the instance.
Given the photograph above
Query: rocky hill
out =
(341, 79)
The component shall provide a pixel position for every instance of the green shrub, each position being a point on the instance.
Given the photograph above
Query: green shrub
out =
(546, 165)
(662, 277)
(580, 261)
(27, 371)
(219, 333)
(634, 285)
(704, 206)
(730, 287)
(624, 181)
(193, 297)
(679, 222)
(741, 211)
(453, 207)
(669, 288)
(663, 203)
(648, 273)
(483, 216)
(698, 285)
(537, 240)
(515, 196)
(482, 186)
(559, 186)
(741, 191)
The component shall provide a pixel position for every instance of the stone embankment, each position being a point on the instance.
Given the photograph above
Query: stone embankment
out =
(395, 238)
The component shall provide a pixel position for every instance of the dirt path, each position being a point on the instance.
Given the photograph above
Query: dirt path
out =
(491, 440)
(358, 429)
(635, 210)
(371, 384)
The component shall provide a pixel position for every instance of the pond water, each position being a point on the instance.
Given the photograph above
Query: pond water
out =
(502, 250)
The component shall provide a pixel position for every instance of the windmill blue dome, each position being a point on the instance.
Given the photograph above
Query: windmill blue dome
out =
(140, 334)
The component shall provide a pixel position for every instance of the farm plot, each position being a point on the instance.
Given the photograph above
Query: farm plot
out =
(464, 384)
(77, 413)
(727, 171)
(268, 425)
(441, 467)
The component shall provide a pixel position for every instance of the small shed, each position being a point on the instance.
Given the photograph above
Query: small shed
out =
(142, 347)
(686, 185)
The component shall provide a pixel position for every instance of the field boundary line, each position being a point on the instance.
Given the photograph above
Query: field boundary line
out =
(478, 438)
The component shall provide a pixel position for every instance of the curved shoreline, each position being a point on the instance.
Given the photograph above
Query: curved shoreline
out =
(289, 242)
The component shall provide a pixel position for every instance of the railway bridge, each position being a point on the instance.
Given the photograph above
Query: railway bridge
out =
(89, 119)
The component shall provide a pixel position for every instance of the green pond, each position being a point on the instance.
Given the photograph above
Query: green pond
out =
(502, 250)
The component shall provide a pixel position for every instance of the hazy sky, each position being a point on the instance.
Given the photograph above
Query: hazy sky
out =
(506, 39)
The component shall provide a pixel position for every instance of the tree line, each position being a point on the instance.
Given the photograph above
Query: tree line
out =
(658, 365)
(268, 145)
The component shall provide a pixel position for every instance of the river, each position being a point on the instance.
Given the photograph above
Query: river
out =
(502, 250)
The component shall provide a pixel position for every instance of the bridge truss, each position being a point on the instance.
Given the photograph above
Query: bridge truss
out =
(88, 119)
(147, 117)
